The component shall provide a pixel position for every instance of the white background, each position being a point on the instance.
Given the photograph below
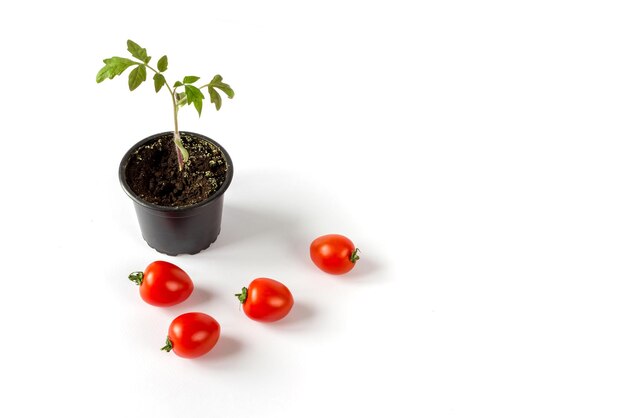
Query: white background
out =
(474, 151)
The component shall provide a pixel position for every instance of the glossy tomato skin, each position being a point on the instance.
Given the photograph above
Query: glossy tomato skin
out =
(165, 284)
(268, 300)
(333, 253)
(193, 334)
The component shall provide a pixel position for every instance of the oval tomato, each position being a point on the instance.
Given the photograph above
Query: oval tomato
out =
(334, 254)
(266, 300)
(163, 284)
(192, 335)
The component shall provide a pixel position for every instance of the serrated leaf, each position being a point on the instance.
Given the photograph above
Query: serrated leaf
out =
(159, 81)
(216, 98)
(137, 51)
(112, 67)
(195, 96)
(136, 77)
(217, 83)
(162, 63)
(178, 84)
(190, 79)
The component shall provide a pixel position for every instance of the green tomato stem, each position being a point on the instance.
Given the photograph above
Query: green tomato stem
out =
(168, 345)
(181, 152)
(354, 257)
(136, 277)
(243, 295)
(166, 83)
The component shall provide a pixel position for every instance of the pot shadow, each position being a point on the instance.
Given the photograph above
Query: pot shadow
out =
(225, 348)
(199, 296)
(241, 224)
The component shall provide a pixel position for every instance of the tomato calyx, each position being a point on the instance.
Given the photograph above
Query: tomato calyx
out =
(354, 257)
(136, 277)
(243, 295)
(168, 345)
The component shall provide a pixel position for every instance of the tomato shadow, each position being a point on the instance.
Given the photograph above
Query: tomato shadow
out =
(301, 315)
(226, 347)
(366, 269)
(199, 296)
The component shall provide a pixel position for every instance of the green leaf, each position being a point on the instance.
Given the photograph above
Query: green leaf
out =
(136, 77)
(217, 83)
(195, 96)
(113, 66)
(198, 105)
(137, 51)
(178, 84)
(162, 63)
(159, 81)
(190, 79)
(216, 98)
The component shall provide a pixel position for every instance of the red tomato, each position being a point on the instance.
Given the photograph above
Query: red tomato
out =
(192, 335)
(266, 300)
(163, 284)
(334, 254)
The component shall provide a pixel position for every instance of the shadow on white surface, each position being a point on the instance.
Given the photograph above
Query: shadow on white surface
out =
(199, 297)
(225, 348)
(366, 270)
(301, 315)
(241, 224)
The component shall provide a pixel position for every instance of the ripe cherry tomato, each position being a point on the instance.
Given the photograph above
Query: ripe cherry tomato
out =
(163, 284)
(192, 335)
(266, 300)
(334, 254)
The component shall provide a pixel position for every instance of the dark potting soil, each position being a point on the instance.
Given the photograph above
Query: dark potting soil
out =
(153, 174)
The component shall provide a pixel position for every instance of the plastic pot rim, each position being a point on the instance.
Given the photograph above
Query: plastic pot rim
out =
(173, 209)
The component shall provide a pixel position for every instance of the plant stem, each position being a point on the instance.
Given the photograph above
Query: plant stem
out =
(181, 152)
(177, 141)
(175, 104)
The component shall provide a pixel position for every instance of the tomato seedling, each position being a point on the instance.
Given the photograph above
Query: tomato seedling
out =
(163, 284)
(192, 335)
(115, 66)
(334, 253)
(265, 300)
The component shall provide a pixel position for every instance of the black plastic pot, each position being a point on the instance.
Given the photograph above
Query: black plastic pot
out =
(178, 230)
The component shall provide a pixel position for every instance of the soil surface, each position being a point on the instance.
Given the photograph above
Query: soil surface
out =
(153, 174)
